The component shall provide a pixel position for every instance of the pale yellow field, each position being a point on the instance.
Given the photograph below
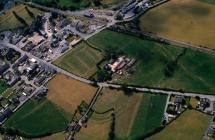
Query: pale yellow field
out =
(68, 93)
(185, 20)
(57, 136)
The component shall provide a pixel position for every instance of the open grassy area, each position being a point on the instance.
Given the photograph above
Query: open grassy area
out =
(9, 21)
(152, 59)
(135, 115)
(3, 86)
(185, 20)
(38, 118)
(81, 60)
(190, 125)
(68, 93)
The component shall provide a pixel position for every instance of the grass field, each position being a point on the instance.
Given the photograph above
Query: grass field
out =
(69, 93)
(189, 126)
(131, 113)
(81, 60)
(9, 21)
(3, 86)
(152, 59)
(185, 20)
(38, 118)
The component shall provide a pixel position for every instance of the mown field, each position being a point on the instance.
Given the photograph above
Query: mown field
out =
(134, 116)
(194, 70)
(68, 93)
(185, 20)
(191, 125)
(81, 60)
(38, 118)
(9, 21)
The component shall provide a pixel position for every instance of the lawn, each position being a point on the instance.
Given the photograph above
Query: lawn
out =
(185, 20)
(9, 21)
(3, 86)
(69, 93)
(38, 118)
(191, 125)
(131, 113)
(152, 59)
(81, 60)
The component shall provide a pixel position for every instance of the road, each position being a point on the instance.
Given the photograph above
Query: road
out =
(87, 81)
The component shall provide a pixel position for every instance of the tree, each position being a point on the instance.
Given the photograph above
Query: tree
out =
(103, 75)
(126, 90)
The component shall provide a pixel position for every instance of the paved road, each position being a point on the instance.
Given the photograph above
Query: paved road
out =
(151, 90)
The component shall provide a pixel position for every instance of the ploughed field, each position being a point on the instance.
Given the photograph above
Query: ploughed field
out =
(193, 71)
(184, 20)
(191, 125)
(9, 21)
(135, 115)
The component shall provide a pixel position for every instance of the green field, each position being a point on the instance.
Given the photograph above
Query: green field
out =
(149, 115)
(193, 72)
(191, 125)
(9, 21)
(81, 60)
(38, 118)
(136, 115)
(3, 86)
(185, 20)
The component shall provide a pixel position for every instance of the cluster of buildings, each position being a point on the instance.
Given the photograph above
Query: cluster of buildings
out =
(134, 7)
(178, 103)
(25, 79)
(121, 65)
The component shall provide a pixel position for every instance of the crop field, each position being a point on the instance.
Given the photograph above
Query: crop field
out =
(38, 118)
(3, 86)
(152, 59)
(185, 20)
(9, 21)
(131, 113)
(190, 125)
(68, 93)
(81, 60)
